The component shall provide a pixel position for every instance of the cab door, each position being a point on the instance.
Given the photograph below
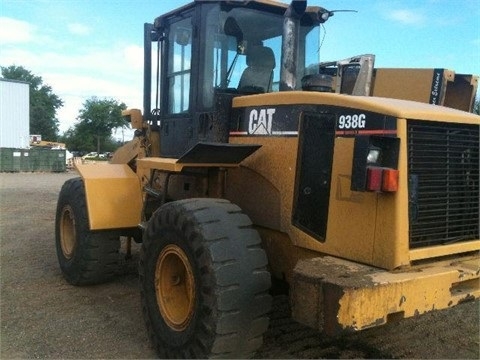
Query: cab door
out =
(177, 74)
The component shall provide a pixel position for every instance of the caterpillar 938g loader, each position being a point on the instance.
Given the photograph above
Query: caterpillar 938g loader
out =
(248, 166)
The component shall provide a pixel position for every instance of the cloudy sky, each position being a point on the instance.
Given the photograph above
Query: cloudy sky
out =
(85, 48)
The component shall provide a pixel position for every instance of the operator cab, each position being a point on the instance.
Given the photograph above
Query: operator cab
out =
(208, 52)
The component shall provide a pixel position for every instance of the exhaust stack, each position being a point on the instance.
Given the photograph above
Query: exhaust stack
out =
(291, 28)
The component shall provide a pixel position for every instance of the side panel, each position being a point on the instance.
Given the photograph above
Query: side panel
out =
(433, 86)
(263, 185)
(256, 195)
(424, 85)
(317, 208)
(461, 93)
(352, 214)
(114, 196)
(368, 227)
(314, 169)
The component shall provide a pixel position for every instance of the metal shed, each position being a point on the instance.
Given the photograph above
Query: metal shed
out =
(14, 114)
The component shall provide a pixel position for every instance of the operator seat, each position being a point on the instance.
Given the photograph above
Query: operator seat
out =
(258, 76)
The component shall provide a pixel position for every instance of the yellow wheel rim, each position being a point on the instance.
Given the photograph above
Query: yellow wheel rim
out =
(175, 287)
(67, 232)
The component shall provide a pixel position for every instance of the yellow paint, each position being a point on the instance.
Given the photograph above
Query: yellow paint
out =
(362, 226)
(409, 84)
(391, 248)
(402, 109)
(114, 196)
(444, 250)
(332, 294)
(128, 152)
(367, 227)
(349, 210)
(428, 288)
(172, 165)
(275, 164)
(134, 117)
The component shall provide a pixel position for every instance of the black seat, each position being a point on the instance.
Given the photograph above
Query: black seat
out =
(258, 76)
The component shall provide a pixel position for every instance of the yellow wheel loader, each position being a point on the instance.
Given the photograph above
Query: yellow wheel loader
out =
(249, 163)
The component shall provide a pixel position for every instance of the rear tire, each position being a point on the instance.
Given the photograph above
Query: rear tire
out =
(204, 282)
(85, 257)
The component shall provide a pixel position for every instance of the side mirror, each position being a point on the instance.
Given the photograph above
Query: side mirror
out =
(182, 37)
(232, 28)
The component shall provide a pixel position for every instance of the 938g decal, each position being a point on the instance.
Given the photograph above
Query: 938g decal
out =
(284, 121)
(364, 123)
(355, 121)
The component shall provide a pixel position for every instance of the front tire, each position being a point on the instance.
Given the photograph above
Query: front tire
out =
(86, 257)
(204, 282)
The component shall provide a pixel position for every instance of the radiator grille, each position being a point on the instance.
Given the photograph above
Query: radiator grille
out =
(443, 164)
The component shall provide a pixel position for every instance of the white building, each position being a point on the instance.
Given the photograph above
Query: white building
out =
(14, 114)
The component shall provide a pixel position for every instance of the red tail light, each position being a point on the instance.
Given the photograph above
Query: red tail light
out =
(374, 178)
(382, 179)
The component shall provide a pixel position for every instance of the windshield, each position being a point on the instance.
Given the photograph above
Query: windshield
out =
(243, 51)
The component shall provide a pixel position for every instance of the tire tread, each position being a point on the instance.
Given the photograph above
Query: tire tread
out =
(96, 255)
(221, 233)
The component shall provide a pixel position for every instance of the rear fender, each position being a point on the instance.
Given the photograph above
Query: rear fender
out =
(113, 195)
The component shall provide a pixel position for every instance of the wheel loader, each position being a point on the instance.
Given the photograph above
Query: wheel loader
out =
(248, 167)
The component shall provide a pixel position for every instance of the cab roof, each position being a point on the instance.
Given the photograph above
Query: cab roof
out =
(271, 5)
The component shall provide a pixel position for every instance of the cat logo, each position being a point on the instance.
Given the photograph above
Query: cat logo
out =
(260, 121)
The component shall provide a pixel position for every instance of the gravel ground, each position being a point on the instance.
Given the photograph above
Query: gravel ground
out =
(44, 317)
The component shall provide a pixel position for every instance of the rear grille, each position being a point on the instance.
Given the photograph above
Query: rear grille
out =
(443, 170)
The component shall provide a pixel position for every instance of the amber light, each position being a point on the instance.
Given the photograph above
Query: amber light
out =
(390, 180)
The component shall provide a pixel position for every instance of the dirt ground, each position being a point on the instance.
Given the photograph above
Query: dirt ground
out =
(44, 317)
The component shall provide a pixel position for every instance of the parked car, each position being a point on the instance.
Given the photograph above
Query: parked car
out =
(90, 155)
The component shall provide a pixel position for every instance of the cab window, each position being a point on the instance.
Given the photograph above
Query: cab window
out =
(179, 66)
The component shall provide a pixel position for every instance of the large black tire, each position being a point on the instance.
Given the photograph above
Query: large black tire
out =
(204, 281)
(86, 257)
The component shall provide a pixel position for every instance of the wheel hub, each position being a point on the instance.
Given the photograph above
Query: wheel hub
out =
(175, 287)
(67, 232)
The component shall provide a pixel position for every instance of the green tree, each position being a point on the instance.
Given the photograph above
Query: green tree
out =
(97, 119)
(78, 140)
(43, 102)
(476, 106)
